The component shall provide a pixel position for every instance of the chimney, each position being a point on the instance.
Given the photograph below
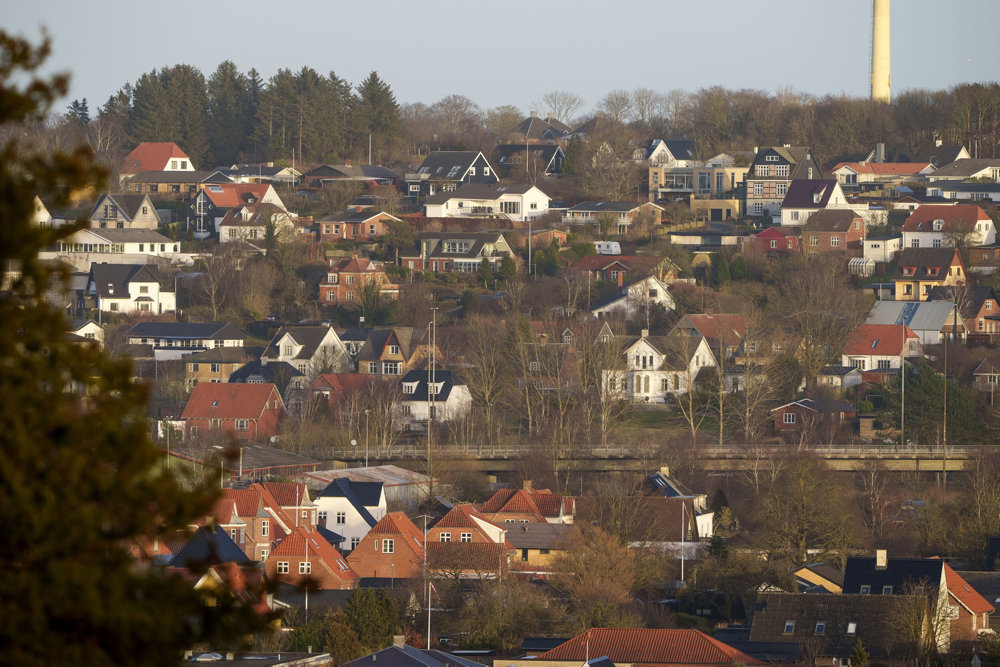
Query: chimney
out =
(347, 163)
(665, 471)
(645, 333)
(881, 559)
(399, 640)
(880, 152)
(755, 149)
(937, 141)
(527, 485)
(534, 114)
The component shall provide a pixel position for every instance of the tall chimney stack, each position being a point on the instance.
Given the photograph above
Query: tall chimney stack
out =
(880, 50)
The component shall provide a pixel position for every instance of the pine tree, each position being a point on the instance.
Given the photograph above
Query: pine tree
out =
(739, 268)
(486, 272)
(508, 268)
(228, 99)
(78, 112)
(859, 657)
(81, 479)
(378, 112)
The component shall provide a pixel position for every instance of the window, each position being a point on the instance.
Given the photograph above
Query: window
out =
(758, 189)
(814, 241)
(486, 171)
(322, 517)
(774, 244)
(989, 305)
(852, 628)
(788, 418)
(391, 368)
(305, 567)
(472, 171)
(354, 542)
(936, 243)
(533, 366)
(242, 424)
(781, 170)
(466, 537)
(883, 364)
(265, 527)
(215, 368)
(782, 189)
(233, 533)
(835, 241)
(445, 537)
(264, 553)
(173, 164)
(758, 207)
(887, 590)
(915, 243)
(282, 567)
(215, 423)
(865, 590)
(341, 518)
(789, 627)
(820, 627)
(143, 289)
(763, 170)
(388, 546)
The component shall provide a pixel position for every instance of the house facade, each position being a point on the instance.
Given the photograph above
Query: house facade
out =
(456, 251)
(246, 411)
(393, 548)
(806, 197)
(834, 230)
(770, 174)
(392, 353)
(350, 509)
(518, 202)
(638, 298)
(880, 347)
(311, 350)
(922, 269)
(619, 216)
(128, 288)
(440, 396)
(122, 211)
(348, 276)
(942, 226)
(657, 367)
(445, 171)
(355, 226)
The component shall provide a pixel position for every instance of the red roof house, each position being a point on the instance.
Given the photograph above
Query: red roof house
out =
(646, 647)
(304, 555)
(774, 240)
(880, 347)
(528, 505)
(393, 548)
(156, 156)
(249, 411)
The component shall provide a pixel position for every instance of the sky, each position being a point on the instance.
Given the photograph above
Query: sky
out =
(515, 51)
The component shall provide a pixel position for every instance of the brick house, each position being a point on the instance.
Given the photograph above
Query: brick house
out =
(456, 251)
(528, 505)
(833, 230)
(944, 225)
(262, 519)
(775, 240)
(355, 226)
(770, 174)
(809, 413)
(305, 557)
(215, 365)
(342, 284)
(393, 548)
(247, 411)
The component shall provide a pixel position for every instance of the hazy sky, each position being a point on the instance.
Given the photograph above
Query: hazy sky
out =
(514, 51)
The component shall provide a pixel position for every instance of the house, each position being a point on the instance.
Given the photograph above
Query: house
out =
(820, 578)
(402, 487)
(882, 247)
(455, 251)
(393, 548)
(836, 376)
(696, 513)
(930, 320)
(347, 277)
(528, 505)
(637, 299)
(545, 159)
(122, 211)
(953, 599)
(964, 191)
(828, 626)
(659, 366)
(212, 202)
(978, 309)
(986, 377)
(251, 223)
(440, 396)
(370, 174)
(282, 374)
(535, 546)
(128, 288)
(984, 259)
(444, 171)
(247, 411)
(401, 655)
(936, 226)
(770, 175)
(311, 349)
(514, 201)
(293, 499)
(617, 268)
(118, 246)
(350, 509)
(335, 388)
(393, 352)
(355, 226)
(216, 365)
(723, 332)
(253, 518)
(967, 169)
(666, 153)
(880, 347)
(806, 197)
(305, 558)
(87, 330)
(156, 156)
(808, 413)
(539, 131)
(922, 269)
(262, 173)
(833, 230)
(173, 185)
(775, 240)
(638, 646)
(464, 545)
(174, 340)
(617, 216)
(853, 174)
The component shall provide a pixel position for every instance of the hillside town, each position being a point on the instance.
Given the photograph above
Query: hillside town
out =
(468, 386)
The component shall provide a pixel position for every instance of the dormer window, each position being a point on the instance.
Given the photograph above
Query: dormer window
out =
(409, 387)
(938, 224)
(331, 278)
(908, 270)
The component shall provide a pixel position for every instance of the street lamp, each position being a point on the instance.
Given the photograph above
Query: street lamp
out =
(354, 444)
(366, 437)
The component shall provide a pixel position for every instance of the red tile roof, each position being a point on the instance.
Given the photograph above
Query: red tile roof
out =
(958, 216)
(469, 557)
(229, 195)
(247, 501)
(602, 262)
(650, 647)
(225, 400)
(965, 593)
(152, 156)
(883, 340)
(288, 494)
(397, 523)
(733, 328)
(306, 541)
(225, 511)
(341, 381)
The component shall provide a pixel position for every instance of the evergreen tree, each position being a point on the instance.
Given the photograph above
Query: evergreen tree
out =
(378, 113)
(486, 272)
(83, 484)
(228, 104)
(508, 268)
(78, 112)
(723, 271)
(373, 617)
(739, 268)
(859, 657)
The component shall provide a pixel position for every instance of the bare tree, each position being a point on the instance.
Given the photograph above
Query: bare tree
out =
(563, 105)
(487, 374)
(618, 105)
(876, 501)
(602, 372)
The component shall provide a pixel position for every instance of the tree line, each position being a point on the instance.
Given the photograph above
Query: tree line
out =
(231, 116)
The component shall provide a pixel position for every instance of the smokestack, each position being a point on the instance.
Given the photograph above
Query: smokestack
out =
(880, 50)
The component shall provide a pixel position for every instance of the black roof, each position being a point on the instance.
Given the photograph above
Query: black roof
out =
(269, 372)
(901, 573)
(447, 380)
(190, 330)
(112, 280)
(360, 494)
(208, 546)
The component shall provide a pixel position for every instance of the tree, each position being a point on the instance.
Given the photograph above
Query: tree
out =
(79, 440)
(373, 617)
(338, 638)
(487, 377)
(229, 115)
(859, 656)
(562, 105)
(503, 611)
(508, 268)
(486, 272)
(739, 268)
(78, 112)
(378, 114)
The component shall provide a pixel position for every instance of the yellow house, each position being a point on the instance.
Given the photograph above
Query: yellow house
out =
(536, 544)
(215, 365)
(922, 269)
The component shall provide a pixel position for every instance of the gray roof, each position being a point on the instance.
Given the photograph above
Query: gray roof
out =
(309, 337)
(352, 172)
(802, 193)
(504, 152)
(188, 330)
(480, 191)
(112, 280)
(131, 236)
(537, 535)
(219, 355)
(831, 220)
(447, 379)
(206, 547)
(963, 186)
(129, 204)
(200, 176)
(965, 168)
(614, 206)
(440, 164)
(254, 371)
(918, 315)
(361, 495)
(377, 339)
(405, 656)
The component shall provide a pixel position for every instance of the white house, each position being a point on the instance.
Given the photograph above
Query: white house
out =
(638, 298)
(936, 226)
(659, 366)
(882, 248)
(880, 347)
(115, 246)
(451, 399)
(516, 202)
(350, 509)
(807, 196)
(128, 288)
(311, 350)
(249, 223)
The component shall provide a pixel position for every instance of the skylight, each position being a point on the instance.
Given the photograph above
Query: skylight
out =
(875, 343)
